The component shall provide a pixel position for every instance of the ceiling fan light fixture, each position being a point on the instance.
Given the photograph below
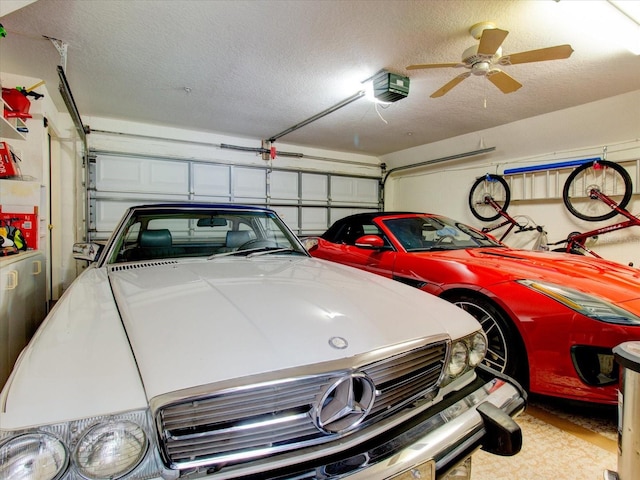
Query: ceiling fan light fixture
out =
(477, 29)
(471, 56)
(480, 68)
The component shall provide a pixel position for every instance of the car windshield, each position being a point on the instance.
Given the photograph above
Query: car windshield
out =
(152, 234)
(425, 233)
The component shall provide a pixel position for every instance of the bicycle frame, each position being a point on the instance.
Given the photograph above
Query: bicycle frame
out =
(509, 220)
(577, 240)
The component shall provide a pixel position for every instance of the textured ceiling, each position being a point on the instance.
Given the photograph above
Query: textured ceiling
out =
(255, 68)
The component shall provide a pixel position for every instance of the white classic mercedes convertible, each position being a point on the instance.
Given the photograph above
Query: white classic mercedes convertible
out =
(204, 342)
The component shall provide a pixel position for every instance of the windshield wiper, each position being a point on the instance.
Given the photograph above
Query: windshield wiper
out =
(254, 252)
(269, 250)
(235, 252)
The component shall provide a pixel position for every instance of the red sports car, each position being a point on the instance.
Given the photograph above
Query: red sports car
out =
(551, 318)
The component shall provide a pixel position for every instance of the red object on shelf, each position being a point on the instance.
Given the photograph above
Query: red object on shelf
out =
(18, 103)
(8, 162)
(26, 222)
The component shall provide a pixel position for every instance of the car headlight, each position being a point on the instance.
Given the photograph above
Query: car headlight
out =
(466, 354)
(33, 456)
(477, 348)
(110, 450)
(96, 448)
(309, 242)
(587, 305)
(459, 359)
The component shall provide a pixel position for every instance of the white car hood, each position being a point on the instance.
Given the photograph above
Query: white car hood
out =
(195, 323)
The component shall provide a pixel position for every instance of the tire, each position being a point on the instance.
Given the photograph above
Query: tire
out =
(505, 352)
(493, 186)
(609, 178)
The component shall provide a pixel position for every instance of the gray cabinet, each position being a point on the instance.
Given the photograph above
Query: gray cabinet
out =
(23, 304)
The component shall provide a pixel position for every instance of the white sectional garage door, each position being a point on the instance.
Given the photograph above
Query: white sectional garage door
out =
(309, 202)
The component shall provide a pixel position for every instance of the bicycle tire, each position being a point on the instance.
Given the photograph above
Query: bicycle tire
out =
(493, 186)
(611, 178)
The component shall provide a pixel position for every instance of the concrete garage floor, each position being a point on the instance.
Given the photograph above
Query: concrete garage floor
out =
(560, 441)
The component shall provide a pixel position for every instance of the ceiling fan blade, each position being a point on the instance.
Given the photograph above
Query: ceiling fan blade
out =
(551, 53)
(491, 40)
(433, 65)
(505, 82)
(442, 90)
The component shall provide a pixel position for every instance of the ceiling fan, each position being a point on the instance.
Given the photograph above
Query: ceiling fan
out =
(483, 59)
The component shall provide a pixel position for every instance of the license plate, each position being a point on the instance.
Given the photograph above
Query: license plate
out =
(424, 471)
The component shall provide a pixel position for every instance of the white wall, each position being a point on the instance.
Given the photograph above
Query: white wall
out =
(575, 133)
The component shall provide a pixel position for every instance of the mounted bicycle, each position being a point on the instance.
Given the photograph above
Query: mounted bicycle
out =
(597, 191)
(489, 199)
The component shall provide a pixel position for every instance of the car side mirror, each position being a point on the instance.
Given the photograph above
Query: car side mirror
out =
(86, 251)
(371, 242)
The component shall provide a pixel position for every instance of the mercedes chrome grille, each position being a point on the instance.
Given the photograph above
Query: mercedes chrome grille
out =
(243, 424)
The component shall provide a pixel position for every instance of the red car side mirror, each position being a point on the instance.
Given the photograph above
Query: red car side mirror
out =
(373, 242)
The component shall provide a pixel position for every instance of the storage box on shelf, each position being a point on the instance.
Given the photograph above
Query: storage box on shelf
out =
(26, 222)
(12, 128)
(15, 111)
(9, 162)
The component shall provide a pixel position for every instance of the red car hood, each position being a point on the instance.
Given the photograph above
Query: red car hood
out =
(487, 266)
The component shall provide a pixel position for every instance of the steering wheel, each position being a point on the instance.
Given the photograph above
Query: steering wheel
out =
(258, 243)
(444, 237)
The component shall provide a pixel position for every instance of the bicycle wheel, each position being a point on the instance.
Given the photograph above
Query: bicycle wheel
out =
(608, 178)
(489, 187)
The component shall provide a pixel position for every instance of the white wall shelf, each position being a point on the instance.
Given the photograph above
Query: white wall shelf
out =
(9, 127)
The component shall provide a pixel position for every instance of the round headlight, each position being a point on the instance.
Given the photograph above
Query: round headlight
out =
(110, 450)
(33, 456)
(477, 349)
(459, 359)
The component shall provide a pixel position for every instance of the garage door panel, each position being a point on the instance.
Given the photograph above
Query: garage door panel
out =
(315, 188)
(107, 215)
(115, 173)
(168, 177)
(284, 186)
(349, 190)
(212, 180)
(314, 220)
(141, 175)
(249, 183)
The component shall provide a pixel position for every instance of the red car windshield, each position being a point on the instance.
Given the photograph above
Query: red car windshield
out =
(420, 233)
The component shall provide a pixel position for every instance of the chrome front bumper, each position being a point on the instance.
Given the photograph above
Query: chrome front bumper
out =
(481, 418)
(437, 440)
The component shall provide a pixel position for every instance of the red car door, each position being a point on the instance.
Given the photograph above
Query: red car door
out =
(376, 261)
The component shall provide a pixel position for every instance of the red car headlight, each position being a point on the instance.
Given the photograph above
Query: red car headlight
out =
(587, 305)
